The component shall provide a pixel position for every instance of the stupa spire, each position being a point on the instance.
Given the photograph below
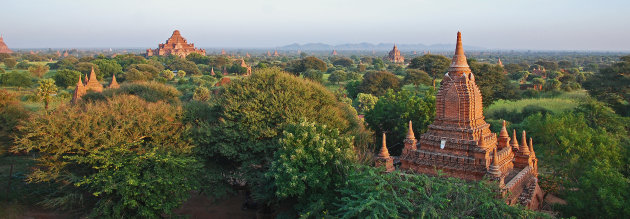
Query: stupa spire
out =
(514, 142)
(114, 83)
(459, 64)
(504, 132)
(524, 149)
(531, 148)
(410, 134)
(384, 153)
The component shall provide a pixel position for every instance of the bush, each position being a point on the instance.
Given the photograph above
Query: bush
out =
(148, 91)
(11, 113)
(65, 78)
(126, 156)
(312, 160)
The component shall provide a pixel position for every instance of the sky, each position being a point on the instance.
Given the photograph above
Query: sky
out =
(597, 25)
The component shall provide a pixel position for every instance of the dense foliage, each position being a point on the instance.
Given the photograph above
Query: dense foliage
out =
(377, 83)
(125, 155)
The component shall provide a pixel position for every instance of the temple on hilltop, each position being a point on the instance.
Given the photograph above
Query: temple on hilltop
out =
(395, 56)
(460, 144)
(175, 45)
(91, 84)
(3, 47)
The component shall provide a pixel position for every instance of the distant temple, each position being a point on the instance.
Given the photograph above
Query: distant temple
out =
(334, 52)
(460, 144)
(500, 63)
(275, 53)
(3, 47)
(247, 67)
(91, 84)
(395, 56)
(175, 45)
(113, 84)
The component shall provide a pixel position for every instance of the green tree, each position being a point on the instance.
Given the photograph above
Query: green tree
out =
(311, 162)
(492, 83)
(307, 63)
(365, 102)
(11, 114)
(338, 76)
(65, 78)
(417, 77)
(16, 79)
(10, 62)
(181, 74)
(314, 75)
(45, 91)
(343, 61)
(168, 74)
(24, 64)
(107, 67)
(394, 110)
(201, 94)
(611, 86)
(238, 131)
(377, 83)
(434, 65)
(38, 70)
(124, 156)
(86, 68)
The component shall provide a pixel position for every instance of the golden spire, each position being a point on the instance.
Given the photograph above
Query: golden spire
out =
(114, 83)
(384, 153)
(410, 134)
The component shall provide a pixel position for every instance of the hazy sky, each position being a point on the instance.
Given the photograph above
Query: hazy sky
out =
(493, 24)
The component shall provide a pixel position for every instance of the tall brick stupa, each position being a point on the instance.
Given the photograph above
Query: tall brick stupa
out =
(175, 45)
(460, 144)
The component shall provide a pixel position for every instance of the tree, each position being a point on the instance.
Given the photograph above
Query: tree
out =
(365, 102)
(394, 110)
(45, 91)
(338, 76)
(183, 64)
(311, 162)
(65, 78)
(417, 77)
(343, 61)
(314, 75)
(377, 83)
(86, 68)
(10, 62)
(434, 65)
(141, 168)
(513, 68)
(492, 83)
(16, 79)
(238, 132)
(181, 74)
(201, 94)
(38, 70)
(24, 64)
(107, 67)
(311, 62)
(611, 86)
(11, 114)
(168, 74)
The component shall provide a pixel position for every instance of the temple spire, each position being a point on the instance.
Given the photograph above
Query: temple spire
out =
(524, 149)
(384, 153)
(459, 64)
(504, 132)
(114, 83)
(410, 134)
(514, 142)
(531, 148)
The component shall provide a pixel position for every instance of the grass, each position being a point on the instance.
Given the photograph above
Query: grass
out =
(556, 104)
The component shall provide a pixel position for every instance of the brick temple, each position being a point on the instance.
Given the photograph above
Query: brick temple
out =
(3, 47)
(395, 56)
(91, 84)
(175, 45)
(460, 144)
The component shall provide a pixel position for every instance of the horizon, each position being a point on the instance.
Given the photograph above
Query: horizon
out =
(491, 25)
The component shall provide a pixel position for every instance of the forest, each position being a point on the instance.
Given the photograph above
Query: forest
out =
(297, 138)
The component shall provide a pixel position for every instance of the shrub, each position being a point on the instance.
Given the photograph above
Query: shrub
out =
(148, 91)
(65, 78)
(125, 155)
(11, 112)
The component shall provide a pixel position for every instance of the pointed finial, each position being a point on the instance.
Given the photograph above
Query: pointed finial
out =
(495, 158)
(524, 149)
(459, 63)
(514, 142)
(410, 134)
(384, 153)
(531, 148)
(504, 132)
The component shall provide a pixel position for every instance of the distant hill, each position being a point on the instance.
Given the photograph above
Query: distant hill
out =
(376, 47)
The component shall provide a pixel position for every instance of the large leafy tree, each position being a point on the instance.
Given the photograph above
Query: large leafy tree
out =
(239, 130)
(38, 70)
(107, 67)
(65, 78)
(16, 79)
(377, 83)
(11, 113)
(434, 65)
(492, 83)
(127, 156)
(394, 110)
(417, 77)
(312, 160)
